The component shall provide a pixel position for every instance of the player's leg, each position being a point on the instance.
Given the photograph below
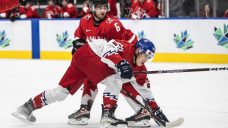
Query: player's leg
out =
(110, 96)
(141, 118)
(24, 112)
(81, 116)
(69, 84)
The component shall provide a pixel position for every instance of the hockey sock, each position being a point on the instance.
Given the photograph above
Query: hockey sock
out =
(153, 104)
(39, 101)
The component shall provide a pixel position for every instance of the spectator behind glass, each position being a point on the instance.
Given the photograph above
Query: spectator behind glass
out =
(144, 9)
(12, 14)
(112, 7)
(68, 10)
(26, 10)
(125, 6)
(189, 8)
(206, 11)
(4, 14)
(226, 13)
(85, 8)
(52, 10)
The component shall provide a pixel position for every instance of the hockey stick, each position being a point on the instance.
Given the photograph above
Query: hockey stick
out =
(171, 124)
(181, 70)
(163, 123)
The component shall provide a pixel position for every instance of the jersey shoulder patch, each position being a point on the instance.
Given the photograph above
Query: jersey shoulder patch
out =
(87, 16)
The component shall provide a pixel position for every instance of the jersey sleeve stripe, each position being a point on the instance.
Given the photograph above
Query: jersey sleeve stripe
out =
(132, 39)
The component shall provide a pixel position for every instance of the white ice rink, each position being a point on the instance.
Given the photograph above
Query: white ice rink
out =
(200, 97)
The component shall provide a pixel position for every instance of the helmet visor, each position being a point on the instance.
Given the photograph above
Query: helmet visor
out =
(149, 55)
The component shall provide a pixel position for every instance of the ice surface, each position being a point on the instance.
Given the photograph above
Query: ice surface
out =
(200, 97)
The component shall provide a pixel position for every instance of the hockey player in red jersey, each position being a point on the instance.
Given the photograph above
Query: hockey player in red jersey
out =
(113, 8)
(144, 9)
(113, 63)
(100, 25)
(85, 8)
(52, 10)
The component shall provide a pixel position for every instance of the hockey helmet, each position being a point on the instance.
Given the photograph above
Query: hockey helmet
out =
(147, 47)
(94, 3)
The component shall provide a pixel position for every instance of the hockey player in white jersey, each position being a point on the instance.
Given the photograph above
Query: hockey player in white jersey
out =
(113, 63)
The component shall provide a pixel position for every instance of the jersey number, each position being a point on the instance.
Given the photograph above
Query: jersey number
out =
(117, 27)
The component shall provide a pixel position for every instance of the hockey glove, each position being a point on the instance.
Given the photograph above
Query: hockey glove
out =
(158, 112)
(77, 44)
(125, 69)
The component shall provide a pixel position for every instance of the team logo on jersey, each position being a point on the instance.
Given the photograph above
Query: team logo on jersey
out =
(109, 20)
(88, 30)
(63, 40)
(221, 36)
(141, 35)
(87, 17)
(95, 37)
(4, 41)
(183, 41)
(118, 47)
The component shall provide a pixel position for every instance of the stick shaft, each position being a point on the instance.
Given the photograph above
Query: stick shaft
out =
(141, 105)
(182, 70)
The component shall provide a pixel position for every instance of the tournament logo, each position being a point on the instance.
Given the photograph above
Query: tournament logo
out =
(4, 41)
(183, 41)
(221, 36)
(63, 40)
(141, 35)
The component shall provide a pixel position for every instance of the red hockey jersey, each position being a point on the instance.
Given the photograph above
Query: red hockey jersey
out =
(114, 51)
(52, 12)
(70, 11)
(113, 9)
(148, 7)
(28, 13)
(109, 28)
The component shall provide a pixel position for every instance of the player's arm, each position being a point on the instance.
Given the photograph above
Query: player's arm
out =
(142, 79)
(80, 38)
(77, 43)
(110, 56)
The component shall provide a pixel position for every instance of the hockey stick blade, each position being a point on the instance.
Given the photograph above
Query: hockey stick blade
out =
(174, 123)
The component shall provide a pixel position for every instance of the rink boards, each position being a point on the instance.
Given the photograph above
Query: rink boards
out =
(176, 40)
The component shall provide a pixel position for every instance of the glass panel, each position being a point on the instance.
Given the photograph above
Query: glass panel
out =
(222, 7)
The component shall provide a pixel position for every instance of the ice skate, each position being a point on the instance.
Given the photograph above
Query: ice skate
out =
(81, 116)
(24, 112)
(108, 119)
(140, 119)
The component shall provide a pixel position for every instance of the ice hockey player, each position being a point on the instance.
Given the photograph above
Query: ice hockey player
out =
(113, 63)
(141, 117)
(98, 25)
